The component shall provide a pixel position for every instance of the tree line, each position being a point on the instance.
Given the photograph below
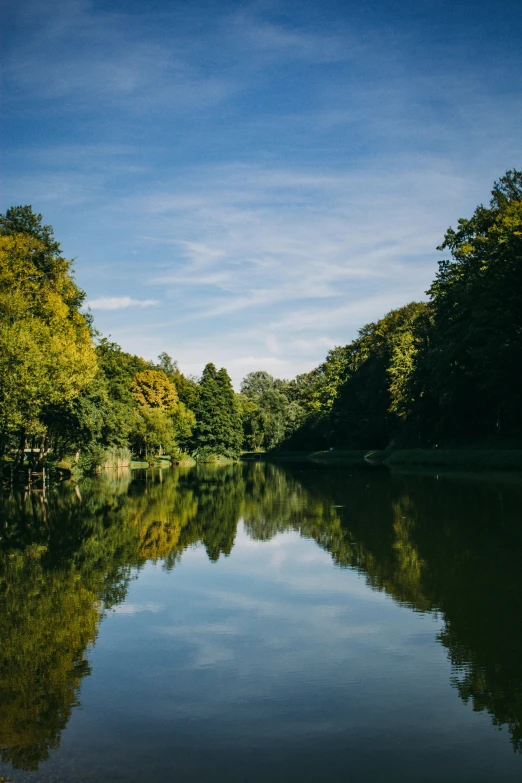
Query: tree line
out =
(65, 390)
(442, 371)
(446, 371)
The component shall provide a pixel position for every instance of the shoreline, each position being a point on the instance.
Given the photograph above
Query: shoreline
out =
(402, 459)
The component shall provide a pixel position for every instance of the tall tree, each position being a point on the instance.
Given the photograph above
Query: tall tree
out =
(46, 352)
(475, 350)
(231, 418)
(218, 428)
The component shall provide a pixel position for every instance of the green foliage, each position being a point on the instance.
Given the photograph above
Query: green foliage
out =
(270, 412)
(46, 353)
(153, 389)
(371, 401)
(23, 221)
(154, 433)
(218, 428)
(253, 422)
(162, 419)
(256, 384)
(445, 371)
(475, 344)
(59, 393)
(315, 393)
(317, 390)
(183, 421)
(187, 388)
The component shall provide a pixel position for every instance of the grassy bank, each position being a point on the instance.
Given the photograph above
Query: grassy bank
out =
(213, 459)
(476, 459)
(404, 459)
(349, 458)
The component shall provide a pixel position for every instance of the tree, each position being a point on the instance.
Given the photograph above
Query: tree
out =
(218, 430)
(121, 417)
(46, 256)
(232, 428)
(187, 388)
(154, 433)
(372, 399)
(274, 412)
(168, 365)
(152, 389)
(475, 350)
(46, 353)
(165, 421)
(253, 421)
(183, 422)
(22, 220)
(257, 383)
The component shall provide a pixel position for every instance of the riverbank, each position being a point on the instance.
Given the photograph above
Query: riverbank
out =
(349, 458)
(477, 459)
(403, 459)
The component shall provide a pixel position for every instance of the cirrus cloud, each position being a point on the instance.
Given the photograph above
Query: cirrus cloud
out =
(119, 303)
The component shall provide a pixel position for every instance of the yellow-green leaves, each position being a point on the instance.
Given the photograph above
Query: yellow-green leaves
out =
(152, 389)
(46, 354)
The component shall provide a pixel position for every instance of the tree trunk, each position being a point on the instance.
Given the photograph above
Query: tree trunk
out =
(19, 456)
(42, 450)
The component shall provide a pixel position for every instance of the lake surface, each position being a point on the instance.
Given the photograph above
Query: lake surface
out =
(254, 623)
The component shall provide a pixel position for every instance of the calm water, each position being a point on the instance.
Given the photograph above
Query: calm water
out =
(254, 623)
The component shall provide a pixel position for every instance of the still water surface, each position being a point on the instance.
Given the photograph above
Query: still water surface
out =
(255, 623)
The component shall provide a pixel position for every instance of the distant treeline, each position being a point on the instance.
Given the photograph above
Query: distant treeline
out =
(445, 371)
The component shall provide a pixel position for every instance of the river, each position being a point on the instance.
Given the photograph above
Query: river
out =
(256, 622)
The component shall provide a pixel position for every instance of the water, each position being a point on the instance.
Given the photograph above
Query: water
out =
(254, 623)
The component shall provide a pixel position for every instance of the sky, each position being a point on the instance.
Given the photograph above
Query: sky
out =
(249, 183)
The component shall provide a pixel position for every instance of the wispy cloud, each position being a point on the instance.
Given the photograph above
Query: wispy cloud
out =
(82, 52)
(281, 263)
(119, 303)
(270, 236)
(290, 41)
(265, 182)
(132, 609)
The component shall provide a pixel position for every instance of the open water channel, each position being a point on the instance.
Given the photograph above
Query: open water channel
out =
(262, 623)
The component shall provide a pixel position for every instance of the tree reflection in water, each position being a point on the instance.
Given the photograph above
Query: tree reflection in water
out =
(449, 544)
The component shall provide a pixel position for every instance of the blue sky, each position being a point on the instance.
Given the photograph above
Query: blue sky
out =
(249, 183)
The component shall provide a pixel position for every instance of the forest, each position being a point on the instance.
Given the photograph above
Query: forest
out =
(446, 371)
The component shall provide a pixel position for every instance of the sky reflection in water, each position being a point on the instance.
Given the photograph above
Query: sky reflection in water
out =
(271, 663)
